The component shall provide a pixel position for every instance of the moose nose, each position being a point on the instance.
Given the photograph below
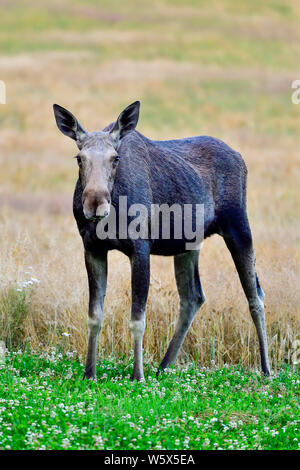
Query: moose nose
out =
(96, 204)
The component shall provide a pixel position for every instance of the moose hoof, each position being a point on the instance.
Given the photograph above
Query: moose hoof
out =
(138, 378)
(161, 369)
(88, 376)
(267, 375)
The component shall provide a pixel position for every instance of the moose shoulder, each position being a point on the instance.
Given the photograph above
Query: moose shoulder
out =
(120, 170)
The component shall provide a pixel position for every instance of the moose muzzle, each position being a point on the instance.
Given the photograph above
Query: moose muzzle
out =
(96, 204)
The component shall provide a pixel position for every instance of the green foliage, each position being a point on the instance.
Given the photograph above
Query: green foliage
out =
(45, 404)
(180, 30)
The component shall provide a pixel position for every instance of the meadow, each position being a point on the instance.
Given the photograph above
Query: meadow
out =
(221, 68)
(45, 404)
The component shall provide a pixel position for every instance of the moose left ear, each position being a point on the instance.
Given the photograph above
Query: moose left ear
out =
(126, 122)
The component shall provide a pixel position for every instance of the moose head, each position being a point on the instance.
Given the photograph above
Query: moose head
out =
(97, 157)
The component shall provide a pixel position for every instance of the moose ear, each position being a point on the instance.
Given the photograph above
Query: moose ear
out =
(126, 122)
(68, 124)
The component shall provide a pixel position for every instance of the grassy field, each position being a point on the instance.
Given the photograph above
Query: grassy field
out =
(45, 404)
(222, 68)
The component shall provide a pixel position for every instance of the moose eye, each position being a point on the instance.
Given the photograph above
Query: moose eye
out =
(78, 158)
(116, 160)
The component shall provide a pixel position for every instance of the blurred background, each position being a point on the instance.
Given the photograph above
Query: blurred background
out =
(222, 68)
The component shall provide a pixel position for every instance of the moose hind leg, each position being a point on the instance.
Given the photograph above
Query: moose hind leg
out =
(260, 292)
(238, 239)
(191, 298)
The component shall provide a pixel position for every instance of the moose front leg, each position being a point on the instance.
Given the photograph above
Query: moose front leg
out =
(96, 266)
(140, 276)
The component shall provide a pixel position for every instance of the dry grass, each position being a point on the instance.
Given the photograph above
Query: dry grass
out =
(222, 331)
(227, 78)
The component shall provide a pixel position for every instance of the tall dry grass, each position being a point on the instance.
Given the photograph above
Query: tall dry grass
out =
(50, 250)
(215, 68)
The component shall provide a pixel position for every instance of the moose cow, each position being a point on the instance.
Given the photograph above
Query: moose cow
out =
(120, 161)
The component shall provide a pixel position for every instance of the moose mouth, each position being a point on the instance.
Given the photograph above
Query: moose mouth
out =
(97, 218)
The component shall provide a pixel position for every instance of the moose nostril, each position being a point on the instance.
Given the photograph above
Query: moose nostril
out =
(88, 215)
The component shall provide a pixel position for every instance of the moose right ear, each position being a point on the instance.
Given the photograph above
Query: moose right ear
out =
(68, 124)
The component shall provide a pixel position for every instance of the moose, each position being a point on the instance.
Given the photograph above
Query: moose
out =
(120, 161)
